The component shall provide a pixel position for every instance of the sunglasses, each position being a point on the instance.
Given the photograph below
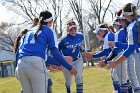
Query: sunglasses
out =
(74, 28)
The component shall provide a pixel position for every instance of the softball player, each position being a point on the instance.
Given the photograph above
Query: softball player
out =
(31, 69)
(102, 32)
(129, 11)
(70, 45)
(123, 33)
(121, 69)
(50, 60)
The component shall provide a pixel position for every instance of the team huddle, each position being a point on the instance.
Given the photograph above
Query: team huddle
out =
(37, 48)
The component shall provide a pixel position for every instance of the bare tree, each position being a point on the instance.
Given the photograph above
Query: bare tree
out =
(77, 10)
(99, 9)
(7, 36)
(57, 6)
(27, 9)
(94, 43)
(137, 3)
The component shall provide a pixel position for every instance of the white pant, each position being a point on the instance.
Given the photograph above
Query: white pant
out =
(121, 71)
(78, 65)
(114, 75)
(131, 72)
(32, 74)
(137, 64)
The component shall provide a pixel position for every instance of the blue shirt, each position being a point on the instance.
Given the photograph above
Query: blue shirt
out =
(71, 45)
(46, 39)
(123, 44)
(133, 44)
(106, 50)
(30, 46)
(120, 36)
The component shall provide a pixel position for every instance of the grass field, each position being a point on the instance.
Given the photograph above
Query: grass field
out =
(96, 80)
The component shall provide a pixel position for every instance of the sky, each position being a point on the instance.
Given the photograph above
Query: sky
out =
(5, 15)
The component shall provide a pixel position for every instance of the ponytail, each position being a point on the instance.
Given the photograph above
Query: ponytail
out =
(138, 27)
(45, 17)
(137, 23)
(39, 28)
(18, 39)
(132, 9)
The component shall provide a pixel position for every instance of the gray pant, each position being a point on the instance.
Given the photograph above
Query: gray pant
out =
(32, 74)
(78, 64)
(132, 73)
(121, 71)
(137, 64)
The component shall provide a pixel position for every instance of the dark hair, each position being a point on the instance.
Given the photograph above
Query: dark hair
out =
(129, 7)
(111, 28)
(43, 15)
(132, 8)
(71, 23)
(104, 26)
(35, 22)
(119, 12)
(18, 39)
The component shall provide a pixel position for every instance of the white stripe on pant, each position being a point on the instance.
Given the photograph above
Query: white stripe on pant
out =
(131, 72)
(32, 74)
(78, 64)
(121, 71)
(137, 64)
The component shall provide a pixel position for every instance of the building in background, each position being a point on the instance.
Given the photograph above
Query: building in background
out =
(6, 63)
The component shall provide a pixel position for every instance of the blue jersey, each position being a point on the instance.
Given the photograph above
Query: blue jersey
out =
(71, 45)
(19, 43)
(106, 50)
(121, 39)
(30, 46)
(46, 39)
(123, 44)
(120, 36)
(133, 44)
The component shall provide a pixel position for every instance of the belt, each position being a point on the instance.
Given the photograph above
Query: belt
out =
(75, 59)
(25, 56)
(137, 50)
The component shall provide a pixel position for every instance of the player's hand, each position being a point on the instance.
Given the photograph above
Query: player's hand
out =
(60, 68)
(88, 56)
(101, 64)
(53, 68)
(68, 59)
(102, 58)
(111, 64)
(73, 71)
(111, 44)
